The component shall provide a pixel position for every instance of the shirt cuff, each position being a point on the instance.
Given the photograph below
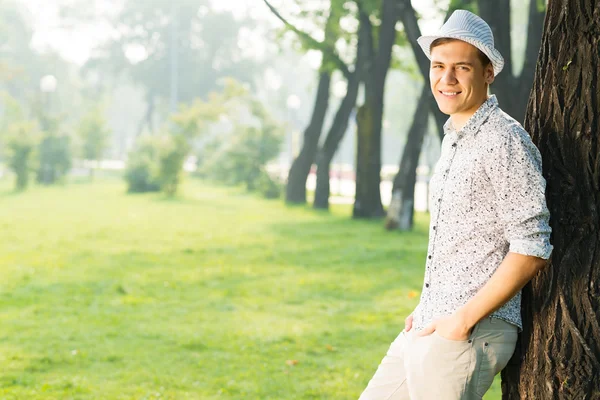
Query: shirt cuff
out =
(531, 248)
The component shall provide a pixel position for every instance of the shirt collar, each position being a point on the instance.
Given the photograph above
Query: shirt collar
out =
(478, 118)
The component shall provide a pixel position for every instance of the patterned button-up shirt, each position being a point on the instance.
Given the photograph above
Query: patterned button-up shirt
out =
(486, 199)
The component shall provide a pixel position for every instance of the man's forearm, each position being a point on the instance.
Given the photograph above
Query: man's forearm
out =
(513, 273)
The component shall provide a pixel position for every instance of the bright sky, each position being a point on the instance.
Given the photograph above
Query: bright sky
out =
(77, 46)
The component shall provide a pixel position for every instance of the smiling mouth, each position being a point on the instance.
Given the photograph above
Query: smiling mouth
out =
(449, 94)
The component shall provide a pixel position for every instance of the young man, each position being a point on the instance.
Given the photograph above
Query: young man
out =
(489, 231)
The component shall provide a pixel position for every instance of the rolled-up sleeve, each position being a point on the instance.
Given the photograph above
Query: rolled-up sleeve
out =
(514, 168)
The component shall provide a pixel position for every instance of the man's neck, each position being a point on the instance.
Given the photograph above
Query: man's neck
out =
(459, 120)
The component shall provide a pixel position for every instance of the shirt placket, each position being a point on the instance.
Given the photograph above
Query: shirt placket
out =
(431, 268)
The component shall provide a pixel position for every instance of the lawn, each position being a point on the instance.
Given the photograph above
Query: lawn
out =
(217, 294)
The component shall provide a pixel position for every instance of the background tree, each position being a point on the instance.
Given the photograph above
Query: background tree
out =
(95, 137)
(54, 157)
(21, 140)
(300, 168)
(400, 214)
(367, 203)
(559, 355)
(240, 156)
(339, 125)
(513, 90)
(185, 43)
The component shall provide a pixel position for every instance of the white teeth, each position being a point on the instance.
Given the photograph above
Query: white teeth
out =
(450, 93)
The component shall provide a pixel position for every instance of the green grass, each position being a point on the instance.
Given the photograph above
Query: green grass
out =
(214, 295)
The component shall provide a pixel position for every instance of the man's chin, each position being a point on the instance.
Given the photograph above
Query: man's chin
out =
(445, 109)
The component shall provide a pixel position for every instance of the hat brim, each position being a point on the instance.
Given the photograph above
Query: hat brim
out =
(494, 55)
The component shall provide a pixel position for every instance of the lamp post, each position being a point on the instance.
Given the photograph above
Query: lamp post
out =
(48, 84)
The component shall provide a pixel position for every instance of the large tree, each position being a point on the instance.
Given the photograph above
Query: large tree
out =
(175, 50)
(367, 203)
(339, 126)
(513, 90)
(301, 165)
(400, 214)
(559, 353)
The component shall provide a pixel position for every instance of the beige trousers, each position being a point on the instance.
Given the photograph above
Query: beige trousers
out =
(435, 368)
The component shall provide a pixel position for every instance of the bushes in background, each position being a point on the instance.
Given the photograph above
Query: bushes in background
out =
(21, 142)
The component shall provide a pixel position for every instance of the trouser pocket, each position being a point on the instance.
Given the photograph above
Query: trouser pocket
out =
(493, 350)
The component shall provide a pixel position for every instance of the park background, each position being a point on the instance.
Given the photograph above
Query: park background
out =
(166, 234)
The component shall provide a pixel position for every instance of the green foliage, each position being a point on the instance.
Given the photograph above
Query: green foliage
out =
(241, 156)
(206, 44)
(173, 152)
(270, 188)
(54, 158)
(142, 172)
(94, 135)
(541, 5)
(191, 121)
(12, 111)
(188, 124)
(22, 138)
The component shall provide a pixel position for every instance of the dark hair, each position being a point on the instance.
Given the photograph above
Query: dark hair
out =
(485, 61)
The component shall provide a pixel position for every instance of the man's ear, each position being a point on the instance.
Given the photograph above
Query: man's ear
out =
(489, 74)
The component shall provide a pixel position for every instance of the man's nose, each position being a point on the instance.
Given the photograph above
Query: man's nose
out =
(449, 76)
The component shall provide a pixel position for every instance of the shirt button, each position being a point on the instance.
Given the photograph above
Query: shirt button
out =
(427, 285)
(429, 257)
(434, 227)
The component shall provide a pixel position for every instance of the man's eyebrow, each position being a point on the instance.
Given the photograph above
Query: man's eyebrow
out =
(436, 62)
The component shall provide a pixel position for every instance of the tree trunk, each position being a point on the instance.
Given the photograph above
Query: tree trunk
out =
(148, 117)
(409, 20)
(367, 203)
(401, 211)
(296, 183)
(338, 128)
(560, 343)
(335, 136)
(513, 91)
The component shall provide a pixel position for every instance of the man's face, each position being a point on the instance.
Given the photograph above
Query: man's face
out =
(458, 79)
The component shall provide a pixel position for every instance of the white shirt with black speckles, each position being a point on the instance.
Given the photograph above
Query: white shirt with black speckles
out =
(487, 197)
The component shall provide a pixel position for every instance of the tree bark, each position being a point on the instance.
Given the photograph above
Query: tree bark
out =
(367, 203)
(296, 183)
(559, 355)
(401, 211)
(513, 91)
(338, 128)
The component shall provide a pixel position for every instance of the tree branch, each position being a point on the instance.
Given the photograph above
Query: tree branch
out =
(326, 49)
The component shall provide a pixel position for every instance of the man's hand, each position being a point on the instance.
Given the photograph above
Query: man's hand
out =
(408, 323)
(453, 327)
